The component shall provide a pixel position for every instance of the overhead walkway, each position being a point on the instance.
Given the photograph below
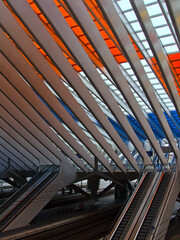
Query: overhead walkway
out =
(140, 218)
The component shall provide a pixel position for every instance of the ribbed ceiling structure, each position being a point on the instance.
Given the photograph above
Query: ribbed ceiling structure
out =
(94, 83)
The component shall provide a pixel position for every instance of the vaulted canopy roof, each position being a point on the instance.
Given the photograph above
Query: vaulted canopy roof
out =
(89, 80)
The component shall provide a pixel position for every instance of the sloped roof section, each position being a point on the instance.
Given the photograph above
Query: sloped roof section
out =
(93, 83)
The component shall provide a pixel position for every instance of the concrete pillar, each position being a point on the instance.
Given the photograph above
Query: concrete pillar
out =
(122, 192)
(93, 185)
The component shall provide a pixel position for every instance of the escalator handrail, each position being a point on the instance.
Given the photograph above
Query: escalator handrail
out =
(173, 168)
(131, 226)
(134, 213)
(19, 198)
(126, 207)
(44, 169)
(152, 199)
(29, 193)
(137, 211)
(122, 207)
(38, 172)
(164, 201)
(35, 170)
(16, 194)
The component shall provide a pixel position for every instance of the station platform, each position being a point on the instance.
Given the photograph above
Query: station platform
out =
(53, 217)
(67, 207)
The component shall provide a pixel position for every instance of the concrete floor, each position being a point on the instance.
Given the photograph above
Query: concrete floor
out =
(55, 216)
(58, 214)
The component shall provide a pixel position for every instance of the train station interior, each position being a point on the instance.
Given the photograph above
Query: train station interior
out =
(89, 119)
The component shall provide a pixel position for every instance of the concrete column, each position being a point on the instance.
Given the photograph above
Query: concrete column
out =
(124, 191)
(93, 185)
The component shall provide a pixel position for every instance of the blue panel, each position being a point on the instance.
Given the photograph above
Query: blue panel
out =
(156, 127)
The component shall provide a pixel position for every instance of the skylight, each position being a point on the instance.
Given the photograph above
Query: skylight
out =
(153, 10)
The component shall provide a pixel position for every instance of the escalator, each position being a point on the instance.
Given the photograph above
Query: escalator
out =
(147, 225)
(14, 198)
(139, 219)
(25, 195)
(123, 222)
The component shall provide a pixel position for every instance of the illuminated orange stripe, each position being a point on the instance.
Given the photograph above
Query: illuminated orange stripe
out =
(173, 59)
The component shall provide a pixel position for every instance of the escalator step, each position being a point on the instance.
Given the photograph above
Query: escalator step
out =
(142, 237)
(123, 224)
(145, 228)
(148, 222)
(132, 207)
(120, 229)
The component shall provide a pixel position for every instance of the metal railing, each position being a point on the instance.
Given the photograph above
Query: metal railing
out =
(153, 227)
(128, 204)
(45, 175)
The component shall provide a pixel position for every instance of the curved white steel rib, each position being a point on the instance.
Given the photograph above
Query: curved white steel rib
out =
(85, 21)
(157, 50)
(41, 109)
(29, 119)
(26, 134)
(130, 53)
(81, 115)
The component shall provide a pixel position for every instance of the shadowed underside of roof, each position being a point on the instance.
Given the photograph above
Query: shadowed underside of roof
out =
(89, 81)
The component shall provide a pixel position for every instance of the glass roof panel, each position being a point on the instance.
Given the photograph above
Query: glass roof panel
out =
(171, 49)
(167, 100)
(125, 65)
(136, 26)
(134, 77)
(154, 81)
(167, 40)
(153, 9)
(157, 86)
(147, 69)
(124, 5)
(146, 44)
(163, 31)
(150, 53)
(143, 62)
(130, 71)
(151, 75)
(158, 21)
(149, 1)
(131, 16)
(141, 36)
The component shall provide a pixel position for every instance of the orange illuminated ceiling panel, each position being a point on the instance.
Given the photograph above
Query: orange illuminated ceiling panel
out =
(158, 73)
(79, 33)
(107, 35)
(175, 60)
(104, 29)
